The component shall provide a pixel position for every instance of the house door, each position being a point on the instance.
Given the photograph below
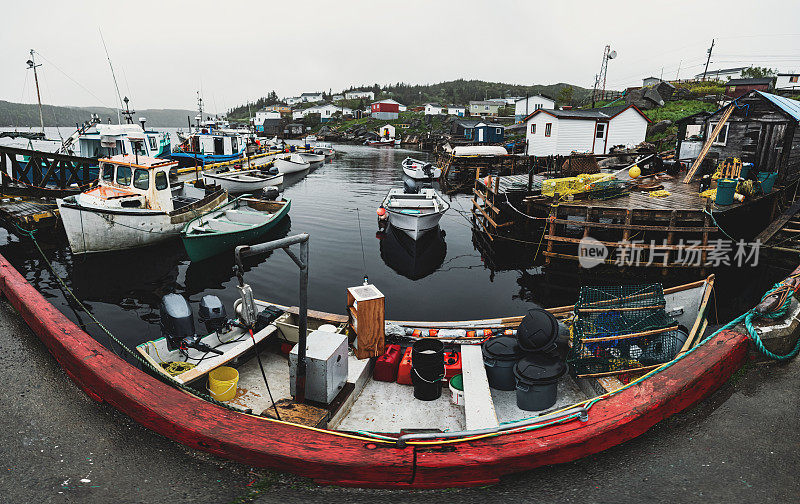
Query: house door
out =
(600, 138)
(480, 135)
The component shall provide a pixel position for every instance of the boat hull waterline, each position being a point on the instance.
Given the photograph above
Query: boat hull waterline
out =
(353, 460)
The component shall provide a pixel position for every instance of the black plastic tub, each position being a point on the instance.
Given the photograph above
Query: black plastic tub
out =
(537, 381)
(427, 369)
(499, 356)
(540, 332)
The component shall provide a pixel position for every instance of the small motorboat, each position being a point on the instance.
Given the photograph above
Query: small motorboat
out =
(324, 148)
(310, 157)
(293, 164)
(414, 214)
(134, 205)
(420, 170)
(237, 222)
(246, 181)
(383, 142)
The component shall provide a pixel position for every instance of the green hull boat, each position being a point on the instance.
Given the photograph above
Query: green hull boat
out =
(237, 222)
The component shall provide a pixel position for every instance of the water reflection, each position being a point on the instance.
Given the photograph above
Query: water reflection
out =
(414, 259)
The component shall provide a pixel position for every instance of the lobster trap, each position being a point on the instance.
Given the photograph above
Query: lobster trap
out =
(621, 329)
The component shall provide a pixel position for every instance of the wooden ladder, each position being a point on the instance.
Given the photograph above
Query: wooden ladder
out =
(707, 146)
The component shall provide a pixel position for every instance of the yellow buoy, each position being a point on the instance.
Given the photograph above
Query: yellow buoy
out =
(222, 383)
(634, 172)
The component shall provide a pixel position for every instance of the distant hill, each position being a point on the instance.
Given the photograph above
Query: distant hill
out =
(26, 114)
(457, 92)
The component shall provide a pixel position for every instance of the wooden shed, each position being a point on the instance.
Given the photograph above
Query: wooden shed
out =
(735, 88)
(488, 133)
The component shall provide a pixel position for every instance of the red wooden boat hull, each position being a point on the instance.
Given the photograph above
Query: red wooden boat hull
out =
(331, 458)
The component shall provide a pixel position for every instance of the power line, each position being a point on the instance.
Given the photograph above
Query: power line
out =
(73, 80)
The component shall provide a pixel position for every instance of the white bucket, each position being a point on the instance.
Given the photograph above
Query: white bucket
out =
(456, 395)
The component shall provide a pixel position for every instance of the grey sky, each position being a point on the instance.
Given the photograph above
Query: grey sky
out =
(164, 51)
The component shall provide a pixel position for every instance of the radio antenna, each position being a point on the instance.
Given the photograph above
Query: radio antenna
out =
(113, 75)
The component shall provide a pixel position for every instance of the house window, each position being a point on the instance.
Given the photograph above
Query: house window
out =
(793, 78)
(732, 88)
(533, 129)
(722, 138)
(548, 128)
(486, 107)
(499, 131)
(537, 107)
(600, 131)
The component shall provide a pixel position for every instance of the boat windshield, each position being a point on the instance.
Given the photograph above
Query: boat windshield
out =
(124, 175)
(108, 172)
(161, 180)
(141, 179)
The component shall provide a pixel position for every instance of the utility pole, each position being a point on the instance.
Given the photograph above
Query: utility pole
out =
(708, 59)
(32, 64)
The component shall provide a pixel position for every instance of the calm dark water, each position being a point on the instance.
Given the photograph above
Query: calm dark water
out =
(442, 277)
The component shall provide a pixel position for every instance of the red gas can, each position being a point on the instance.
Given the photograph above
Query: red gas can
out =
(404, 373)
(387, 364)
(452, 364)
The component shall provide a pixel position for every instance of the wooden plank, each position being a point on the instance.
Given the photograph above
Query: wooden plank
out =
(478, 404)
(634, 227)
(629, 245)
(220, 360)
(707, 145)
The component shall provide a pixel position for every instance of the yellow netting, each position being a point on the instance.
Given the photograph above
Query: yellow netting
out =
(570, 185)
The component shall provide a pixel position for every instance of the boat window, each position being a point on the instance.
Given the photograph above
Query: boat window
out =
(153, 143)
(124, 175)
(108, 172)
(161, 180)
(141, 179)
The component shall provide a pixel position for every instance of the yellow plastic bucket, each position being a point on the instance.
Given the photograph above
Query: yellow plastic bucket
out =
(222, 383)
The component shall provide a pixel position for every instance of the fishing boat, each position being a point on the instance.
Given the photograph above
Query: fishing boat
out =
(414, 214)
(420, 170)
(237, 222)
(135, 204)
(381, 142)
(310, 157)
(209, 144)
(243, 181)
(324, 148)
(292, 164)
(355, 442)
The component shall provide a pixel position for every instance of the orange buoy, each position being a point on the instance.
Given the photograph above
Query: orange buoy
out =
(381, 211)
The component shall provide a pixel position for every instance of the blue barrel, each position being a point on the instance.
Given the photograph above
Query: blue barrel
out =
(767, 180)
(726, 188)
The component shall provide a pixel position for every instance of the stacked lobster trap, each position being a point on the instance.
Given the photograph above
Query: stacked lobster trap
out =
(621, 329)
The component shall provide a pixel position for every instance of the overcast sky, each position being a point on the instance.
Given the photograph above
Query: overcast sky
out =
(164, 51)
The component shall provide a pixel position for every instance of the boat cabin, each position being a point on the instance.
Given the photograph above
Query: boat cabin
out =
(112, 139)
(215, 142)
(131, 181)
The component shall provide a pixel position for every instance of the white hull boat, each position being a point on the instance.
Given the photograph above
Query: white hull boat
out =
(292, 164)
(420, 170)
(134, 206)
(312, 158)
(324, 148)
(239, 182)
(414, 214)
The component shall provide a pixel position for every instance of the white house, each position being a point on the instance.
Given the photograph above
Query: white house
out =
(456, 110)
(293, 100)
(311, 97)
(261, 115)
(723, 74)
(337, 97)
(787, 82)
(326, 111)
(357, 95)
(561, 132)
(525, 106)
(433, 109)
(298, 114)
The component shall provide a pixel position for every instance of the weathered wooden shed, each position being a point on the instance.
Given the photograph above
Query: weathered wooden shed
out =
(763, 130)
(488, 133)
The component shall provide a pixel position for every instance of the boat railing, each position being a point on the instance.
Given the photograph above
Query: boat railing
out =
(581, 412)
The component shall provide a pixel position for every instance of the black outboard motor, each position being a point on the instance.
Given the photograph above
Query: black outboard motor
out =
(212, 313)
(272, 170)
(427, 169)
(270, 193)
(177, 325)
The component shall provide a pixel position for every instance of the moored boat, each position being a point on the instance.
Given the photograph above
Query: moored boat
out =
(324, 148)
(135, 205)
(235, 223)
(420, 170)
(243, 181)
(291, 164)
(414, 214)
(310, 157)
(383, 142)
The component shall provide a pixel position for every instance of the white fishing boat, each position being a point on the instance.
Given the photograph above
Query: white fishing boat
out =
(414, 214)
(325, 149)
(420, 170)
(309, 157)
(245, 181)
(134, 205)
(291, 164)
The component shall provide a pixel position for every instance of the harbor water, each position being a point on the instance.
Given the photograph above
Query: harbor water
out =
(451, 274)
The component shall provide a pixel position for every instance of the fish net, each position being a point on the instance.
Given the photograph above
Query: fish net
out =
(622, 328)
(608, 189)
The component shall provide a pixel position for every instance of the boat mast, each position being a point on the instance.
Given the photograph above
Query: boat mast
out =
(32, 64)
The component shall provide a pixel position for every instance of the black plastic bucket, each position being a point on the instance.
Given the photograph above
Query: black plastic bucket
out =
(539, 331)
(537, 381)
(499, 356)
(427, 368)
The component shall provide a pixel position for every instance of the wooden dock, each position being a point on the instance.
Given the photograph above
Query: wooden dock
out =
(29, 214)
